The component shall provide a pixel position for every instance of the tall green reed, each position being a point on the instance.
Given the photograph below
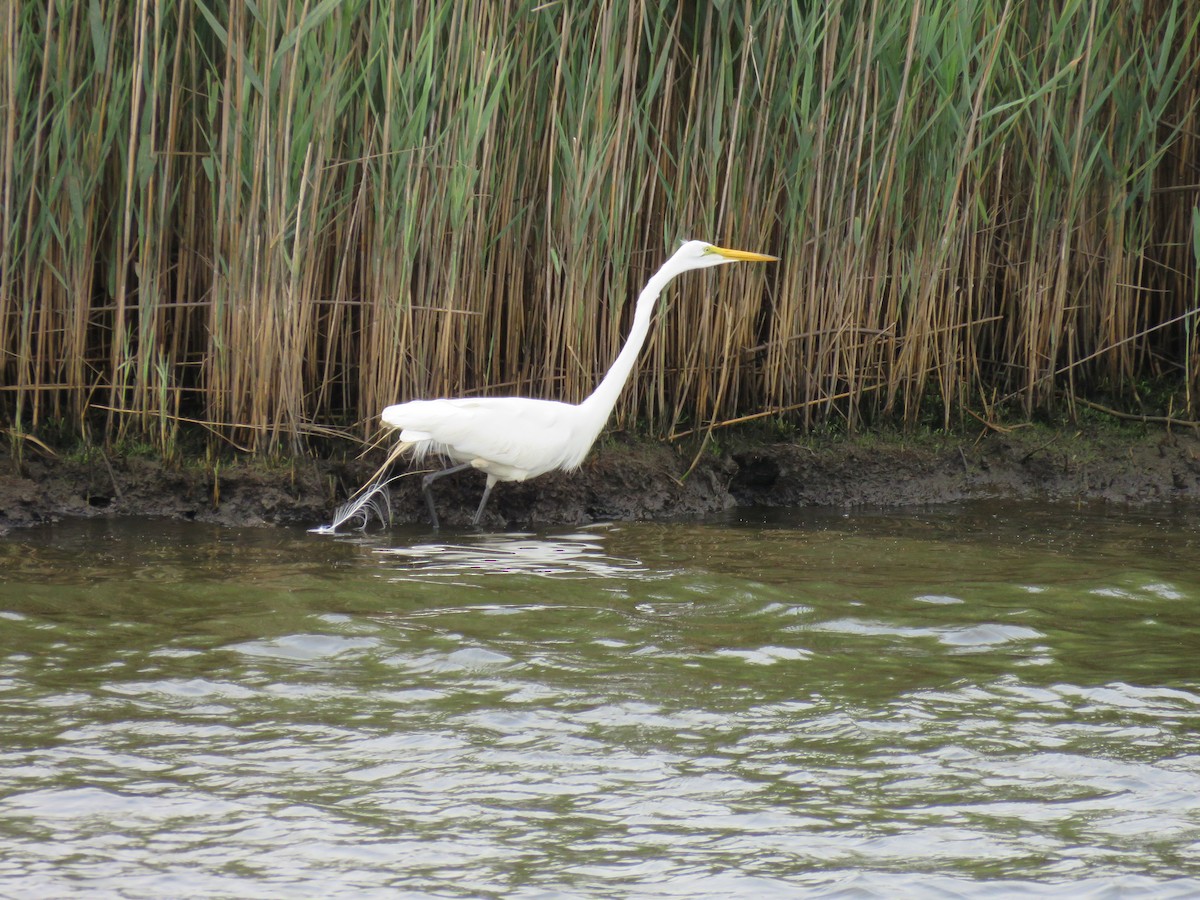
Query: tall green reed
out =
(277, 217)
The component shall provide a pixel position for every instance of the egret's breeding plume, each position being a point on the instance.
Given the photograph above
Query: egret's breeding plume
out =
(515, 438)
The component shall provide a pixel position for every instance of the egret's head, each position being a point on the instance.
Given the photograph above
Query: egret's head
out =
(701, 255)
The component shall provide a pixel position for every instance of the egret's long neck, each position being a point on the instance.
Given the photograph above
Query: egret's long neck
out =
(600, 404)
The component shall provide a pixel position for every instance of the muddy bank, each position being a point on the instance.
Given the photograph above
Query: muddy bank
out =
(634, 480)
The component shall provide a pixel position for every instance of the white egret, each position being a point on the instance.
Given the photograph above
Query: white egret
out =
(516, 438)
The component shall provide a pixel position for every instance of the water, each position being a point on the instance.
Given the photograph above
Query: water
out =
(973, 701)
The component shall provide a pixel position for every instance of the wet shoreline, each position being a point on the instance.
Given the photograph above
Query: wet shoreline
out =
(633, 480)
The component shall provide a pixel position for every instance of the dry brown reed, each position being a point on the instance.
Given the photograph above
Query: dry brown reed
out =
(268, 217)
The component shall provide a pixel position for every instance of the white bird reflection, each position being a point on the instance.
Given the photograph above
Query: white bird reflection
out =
(575, 555)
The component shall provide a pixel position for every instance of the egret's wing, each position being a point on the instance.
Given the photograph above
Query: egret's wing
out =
(531, 435)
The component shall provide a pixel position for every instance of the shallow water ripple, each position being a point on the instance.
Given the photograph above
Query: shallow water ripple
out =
(932, 704)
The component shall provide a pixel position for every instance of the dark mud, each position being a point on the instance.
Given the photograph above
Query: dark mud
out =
(634, 480)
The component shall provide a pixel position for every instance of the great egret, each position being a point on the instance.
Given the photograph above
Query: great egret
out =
(516, 438)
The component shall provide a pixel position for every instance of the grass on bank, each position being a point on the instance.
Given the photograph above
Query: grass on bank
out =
(277, 218)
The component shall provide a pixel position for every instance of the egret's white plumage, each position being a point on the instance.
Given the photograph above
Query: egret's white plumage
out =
(512, 438)
(515, 438)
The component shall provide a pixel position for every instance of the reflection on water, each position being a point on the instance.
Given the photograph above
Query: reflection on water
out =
(980, 701)
(579, 554)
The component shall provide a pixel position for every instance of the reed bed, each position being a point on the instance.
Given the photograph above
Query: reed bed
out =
(273, 219)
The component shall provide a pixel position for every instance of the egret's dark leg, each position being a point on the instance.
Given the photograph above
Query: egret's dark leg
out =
(428, 480)
(487, 492)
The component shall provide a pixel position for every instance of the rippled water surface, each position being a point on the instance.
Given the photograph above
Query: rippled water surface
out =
(976, 701)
